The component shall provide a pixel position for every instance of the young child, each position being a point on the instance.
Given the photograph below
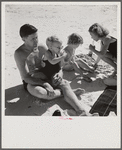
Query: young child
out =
(53, 57)
(73, 62)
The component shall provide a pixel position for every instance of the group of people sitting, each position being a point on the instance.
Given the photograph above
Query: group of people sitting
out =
(41, 68)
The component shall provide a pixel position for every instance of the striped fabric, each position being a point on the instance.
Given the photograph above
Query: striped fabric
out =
(106, 102)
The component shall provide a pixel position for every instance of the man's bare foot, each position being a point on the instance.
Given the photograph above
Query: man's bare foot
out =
(58, 93)
(70, 112)
(84, 113)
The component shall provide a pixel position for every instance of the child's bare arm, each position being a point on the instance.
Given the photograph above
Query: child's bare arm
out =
(54, 60)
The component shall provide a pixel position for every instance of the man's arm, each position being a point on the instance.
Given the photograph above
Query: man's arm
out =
(24, 71)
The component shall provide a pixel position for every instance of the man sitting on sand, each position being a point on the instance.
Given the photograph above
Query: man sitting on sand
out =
(36, 85)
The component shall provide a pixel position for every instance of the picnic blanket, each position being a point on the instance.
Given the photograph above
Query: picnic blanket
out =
(106, 102)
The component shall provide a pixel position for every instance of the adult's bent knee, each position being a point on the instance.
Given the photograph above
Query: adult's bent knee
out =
(65, 83)
(37, 91)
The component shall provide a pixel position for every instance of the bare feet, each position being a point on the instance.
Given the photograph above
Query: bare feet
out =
(71, 112)
(84, 113)
(57, 93)
(77, 92)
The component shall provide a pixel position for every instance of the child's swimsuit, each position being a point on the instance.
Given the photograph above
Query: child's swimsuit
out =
(49, 70)
(112, 49)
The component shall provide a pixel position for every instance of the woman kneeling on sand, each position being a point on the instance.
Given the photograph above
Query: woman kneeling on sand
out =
(108, 52)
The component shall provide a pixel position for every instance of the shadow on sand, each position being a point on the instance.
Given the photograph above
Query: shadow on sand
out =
(20, 102)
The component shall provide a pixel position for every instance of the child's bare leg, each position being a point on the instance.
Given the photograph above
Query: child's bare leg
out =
(83, 64)
(79, 70)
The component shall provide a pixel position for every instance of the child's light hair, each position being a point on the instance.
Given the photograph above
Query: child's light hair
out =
(75, 38)
(52, 39)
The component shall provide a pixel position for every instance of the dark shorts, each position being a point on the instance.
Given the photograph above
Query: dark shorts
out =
(25, 85)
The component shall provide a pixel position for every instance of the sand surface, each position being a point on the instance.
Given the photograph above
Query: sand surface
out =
(62, 21)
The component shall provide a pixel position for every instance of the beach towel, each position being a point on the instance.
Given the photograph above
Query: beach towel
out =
(106, 102)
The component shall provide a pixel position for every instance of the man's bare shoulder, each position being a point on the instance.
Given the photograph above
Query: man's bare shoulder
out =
(20, 53)
(20, 50)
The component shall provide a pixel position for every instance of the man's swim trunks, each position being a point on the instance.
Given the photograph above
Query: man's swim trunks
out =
(25, 85)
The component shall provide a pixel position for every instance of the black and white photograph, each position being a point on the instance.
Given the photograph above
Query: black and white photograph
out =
(61, 65)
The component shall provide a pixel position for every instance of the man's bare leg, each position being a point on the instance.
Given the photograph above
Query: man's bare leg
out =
(71, 98)
(40, 92)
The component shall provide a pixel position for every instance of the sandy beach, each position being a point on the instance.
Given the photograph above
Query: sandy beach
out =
(60, 20)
